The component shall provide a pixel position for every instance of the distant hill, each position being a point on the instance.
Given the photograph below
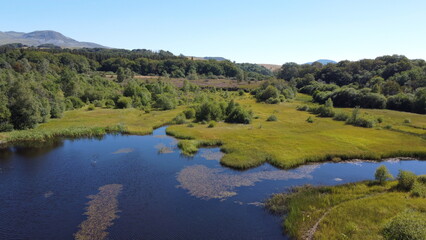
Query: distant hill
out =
(271, 67)
(45, 38)
(323, 61)
(215, 58)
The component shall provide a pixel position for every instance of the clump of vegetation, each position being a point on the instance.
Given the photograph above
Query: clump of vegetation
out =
(272, 118)
(407, 120)
(310, 119)
(341, 117)
(274, 91)
(91, 107)
(124, 102)
(217, 111)
(212, 124)
(356, 120)
(382, 174)
(406, 225)
(179, 119)
(406, 180)
(189, 113)
(303, 108)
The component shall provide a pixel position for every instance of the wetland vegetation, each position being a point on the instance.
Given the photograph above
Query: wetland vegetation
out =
(369, 109)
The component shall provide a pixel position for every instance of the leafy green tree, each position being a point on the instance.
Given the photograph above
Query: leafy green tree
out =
(382, 174)
(24, 107)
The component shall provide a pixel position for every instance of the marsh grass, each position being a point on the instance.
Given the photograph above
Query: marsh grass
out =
(292, 141)
(350, 211)
(82, 123)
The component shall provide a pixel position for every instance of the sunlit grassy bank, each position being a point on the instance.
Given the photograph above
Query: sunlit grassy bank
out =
(351, 211)
(79, 123)
(291, 140)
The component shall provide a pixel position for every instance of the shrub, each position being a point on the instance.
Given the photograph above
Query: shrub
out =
(239, 115)
(407, 120)
(99, 103)
(212, 124)
(268, 93)
(272, 118)
(241, 92)
(109, 103)
(410, 225)
(388, 127)
(165, 102)
(421, 179)
(189, 113)
(208, 111)
(124, 102)
(379, 119)
(364, 122)
(341, 116)
(74, 103)
(310, 119)
(382, 174)
(324, 111)
(419, 190)
(179, 119)
(406, 180)
(302, 108)
(190, 125)
(91, 107)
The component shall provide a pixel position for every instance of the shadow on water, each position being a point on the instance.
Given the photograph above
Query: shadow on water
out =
(142, 187)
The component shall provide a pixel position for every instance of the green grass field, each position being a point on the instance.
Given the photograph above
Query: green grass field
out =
(292, 141)
(351, 211)
(81, 122)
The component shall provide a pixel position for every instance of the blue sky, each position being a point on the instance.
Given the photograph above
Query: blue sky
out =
(244, 31)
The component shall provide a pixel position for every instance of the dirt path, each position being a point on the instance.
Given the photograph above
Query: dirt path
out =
(310, 233)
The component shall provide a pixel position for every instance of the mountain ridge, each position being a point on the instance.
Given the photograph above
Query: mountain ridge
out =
(42, 37)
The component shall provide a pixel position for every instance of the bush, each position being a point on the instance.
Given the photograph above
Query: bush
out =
(241, 92)
(165, 102)
(364, 122)
(341, 116)
(74, 103)
(189, 113)
(272, 118)
(212, 124)
(124, 102)
(410, 225)
(324, 111)
(302, 108)
(406, 180)
(239, 115)
(99, 103)
(208, 111)
(190, 125)
(421, 179)
(179, 119)
(407, 120)
(419, 190)
(109, 103)
(91, 107)
(382, 174)
(310, 119)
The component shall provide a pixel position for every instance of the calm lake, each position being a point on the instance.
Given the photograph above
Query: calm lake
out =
(141, 187)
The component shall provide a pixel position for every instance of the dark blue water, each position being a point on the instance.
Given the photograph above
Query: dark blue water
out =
(44, 189)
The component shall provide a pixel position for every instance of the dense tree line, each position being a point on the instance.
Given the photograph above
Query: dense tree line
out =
(392, 82)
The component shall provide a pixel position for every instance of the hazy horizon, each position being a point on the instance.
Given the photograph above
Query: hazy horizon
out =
(272, 32)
